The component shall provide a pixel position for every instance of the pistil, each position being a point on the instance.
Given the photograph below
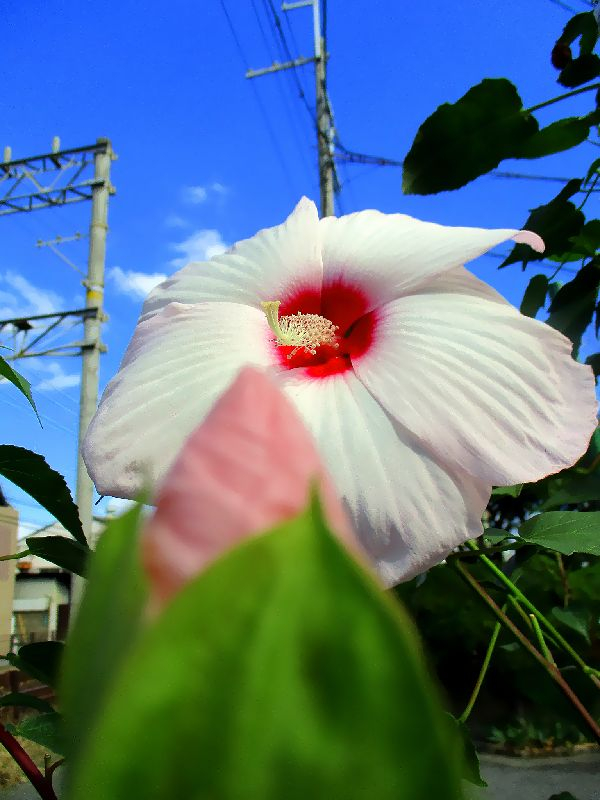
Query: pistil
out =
(300, 331)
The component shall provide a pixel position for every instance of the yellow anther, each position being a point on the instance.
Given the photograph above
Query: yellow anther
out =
(300, 331)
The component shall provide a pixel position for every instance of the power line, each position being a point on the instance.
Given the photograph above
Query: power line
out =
(263, 111)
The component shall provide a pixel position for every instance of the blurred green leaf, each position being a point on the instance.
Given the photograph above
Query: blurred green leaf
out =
(107, 626)
(30, 472)
(565, 532)
(511, 491)
(40, 660)
(22, 384)
(495, 536)
(25, 701)
(573, 307)
(535, 295)
(573, 488)
(44, 729)
(556, 222)
(560, 135)
(582, 69)
(577, 619)
(463, 140)
(289, 673)
(63, 552)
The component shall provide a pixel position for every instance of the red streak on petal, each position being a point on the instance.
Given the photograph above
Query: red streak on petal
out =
(344, 305)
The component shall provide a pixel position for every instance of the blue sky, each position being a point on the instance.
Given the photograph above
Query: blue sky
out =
(207, 157)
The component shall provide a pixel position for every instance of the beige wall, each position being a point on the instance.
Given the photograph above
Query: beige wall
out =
(9, 521)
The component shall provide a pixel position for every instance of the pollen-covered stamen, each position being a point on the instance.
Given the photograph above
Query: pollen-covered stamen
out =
(307, 331)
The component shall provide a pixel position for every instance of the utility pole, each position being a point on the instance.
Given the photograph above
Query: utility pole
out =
(323, 120)
(70, 166)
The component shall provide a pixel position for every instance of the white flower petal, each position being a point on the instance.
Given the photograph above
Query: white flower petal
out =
(409, 511)
(391, 254)
(481, 385)
(274, 263)
(177, 364)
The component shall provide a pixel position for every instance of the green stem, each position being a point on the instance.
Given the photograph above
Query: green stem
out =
(482, 672)
(541, 641)
(14, 556)
(562, 97)
(550, 668)
(592, 673)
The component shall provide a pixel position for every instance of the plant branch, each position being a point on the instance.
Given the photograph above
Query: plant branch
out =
(14, 556)
(518, 594)
(562, 97)
(482, 672)
(23, 759)
(550, 668)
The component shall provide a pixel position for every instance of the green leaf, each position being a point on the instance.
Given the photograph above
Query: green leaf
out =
(577, 619)
(582, 69)
(495, 535)
(573, 307)
(511, 491)
(40, 660)
(592, 171)
(30, 472)
(61, 551)
(45, 729)
(106, 628)
(289, 674)
(535, 295)
(565, 532)
(461, 141)
(556, 222)
(22, 384)
(25, 701)
(573, 488)
(471, 770)
(594, 362)
(583, 25)
(560, 135)
(584, 244)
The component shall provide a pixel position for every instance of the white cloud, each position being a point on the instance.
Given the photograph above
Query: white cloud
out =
(135, 285)
(200, 194)
(175, 221)
(58, 378)
(25, 299)
(201, 245)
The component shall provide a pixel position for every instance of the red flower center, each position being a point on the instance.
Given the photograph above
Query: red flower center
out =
(345, 306)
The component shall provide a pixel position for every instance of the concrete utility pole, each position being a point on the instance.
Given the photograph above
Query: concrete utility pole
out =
(70, 166)
(323, 120)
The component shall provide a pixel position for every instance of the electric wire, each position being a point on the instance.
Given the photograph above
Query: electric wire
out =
(267, 121)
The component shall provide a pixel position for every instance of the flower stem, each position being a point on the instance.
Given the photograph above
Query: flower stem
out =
(42, 786)
(14, 556)
(562, 97)
(540, 637)
(518, 594)
(550, 668)
(484, 667)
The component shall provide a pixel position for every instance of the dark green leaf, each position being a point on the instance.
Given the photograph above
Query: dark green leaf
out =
(572, 309)
(471, 770)
(535, 295)
(592, 171)
(572, 489)
(594, 361)
(45, 729)
(63, 552)
(461, 141)
(107, 625)
(583, 25)
(560, 135)
(511, 491)
(255, 670)
(586, 242)
(495, 535)
(30, 472)
(40, 660)
(23, 385)
(581, 70)
(565, 532)
(556, 222)
(577, 619)
(25, 701)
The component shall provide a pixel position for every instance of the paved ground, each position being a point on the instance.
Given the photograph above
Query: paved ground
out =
(508, 779)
